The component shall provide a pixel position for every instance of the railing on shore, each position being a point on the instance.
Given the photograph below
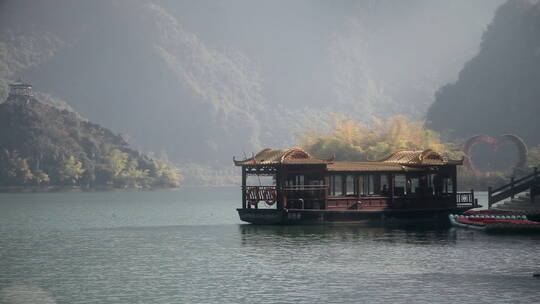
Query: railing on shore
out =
(514, 187)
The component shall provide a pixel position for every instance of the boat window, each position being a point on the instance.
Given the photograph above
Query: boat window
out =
(430, 184)
(258, 180)
(385, 184)
(296, 181)
(299, 181)
(316, 182)
(400, 182)
(350, 185)
(415, 184)
(336, 185)
(361, 185)
(377, 184)
(371, 184)
(368, 184)
(447, 185)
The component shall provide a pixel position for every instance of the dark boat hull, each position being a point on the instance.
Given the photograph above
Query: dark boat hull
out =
(385, 217)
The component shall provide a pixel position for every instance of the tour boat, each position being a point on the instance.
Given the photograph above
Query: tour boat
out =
(493, 222)
(292, 186)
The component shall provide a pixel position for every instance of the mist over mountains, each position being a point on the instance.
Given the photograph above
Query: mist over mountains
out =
(205, 80)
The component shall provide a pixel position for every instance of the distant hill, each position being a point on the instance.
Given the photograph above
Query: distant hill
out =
(41, 145)
(201, 81)
(498, 91)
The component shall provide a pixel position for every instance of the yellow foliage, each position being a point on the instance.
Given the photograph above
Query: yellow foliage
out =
(72, 170)
(347, 139)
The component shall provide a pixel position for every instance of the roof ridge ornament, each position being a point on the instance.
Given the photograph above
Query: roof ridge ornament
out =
(253, 158)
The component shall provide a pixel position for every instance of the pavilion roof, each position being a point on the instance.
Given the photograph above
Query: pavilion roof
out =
(20, 83)
(370, 167)
(395, 162)
(419, 158)
(292, 156)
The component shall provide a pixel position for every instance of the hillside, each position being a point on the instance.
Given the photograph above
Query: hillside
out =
(498, 90)
(201, 81)
(41, 145)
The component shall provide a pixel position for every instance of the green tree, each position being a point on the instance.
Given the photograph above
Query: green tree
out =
(164, 175)
(71, 171)
(134, 177)
(61, 149)
(116, 161)
(23, 173)
(14, 169)
(41, 178)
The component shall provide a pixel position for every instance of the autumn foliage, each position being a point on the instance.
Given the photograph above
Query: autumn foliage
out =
(347, 139)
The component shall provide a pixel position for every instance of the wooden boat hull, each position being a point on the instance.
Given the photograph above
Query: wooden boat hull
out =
(314, 216)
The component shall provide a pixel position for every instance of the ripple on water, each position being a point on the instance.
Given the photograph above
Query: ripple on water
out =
(165, 248)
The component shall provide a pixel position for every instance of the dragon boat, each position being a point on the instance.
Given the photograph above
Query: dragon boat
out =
(494, 222)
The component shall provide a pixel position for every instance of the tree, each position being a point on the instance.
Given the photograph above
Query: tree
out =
(132, 176)
(41, 145)
(14, 169)
(41, 178)
(116, 161)
(165, 175)
(71, 171)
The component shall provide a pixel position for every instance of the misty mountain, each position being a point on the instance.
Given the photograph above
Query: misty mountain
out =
(498, 90)
(202, 80)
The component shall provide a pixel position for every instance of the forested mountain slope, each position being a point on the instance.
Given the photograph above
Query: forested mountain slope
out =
(498, 91)
(41, 145)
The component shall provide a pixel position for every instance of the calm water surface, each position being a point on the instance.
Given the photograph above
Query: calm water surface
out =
(188, 246)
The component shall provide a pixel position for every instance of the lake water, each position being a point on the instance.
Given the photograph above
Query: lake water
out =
(188, 246)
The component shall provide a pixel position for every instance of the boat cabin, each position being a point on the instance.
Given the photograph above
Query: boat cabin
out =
(293, 179)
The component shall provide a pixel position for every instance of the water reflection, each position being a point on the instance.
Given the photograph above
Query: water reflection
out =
(258, 234)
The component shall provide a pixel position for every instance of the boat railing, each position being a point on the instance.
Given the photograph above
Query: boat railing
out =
(466, 199)
(255, 194)
(268, 194)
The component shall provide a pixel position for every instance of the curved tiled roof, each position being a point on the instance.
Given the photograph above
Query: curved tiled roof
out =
(369, 167)
(289, 156)
(419, 158)
(398, 161)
